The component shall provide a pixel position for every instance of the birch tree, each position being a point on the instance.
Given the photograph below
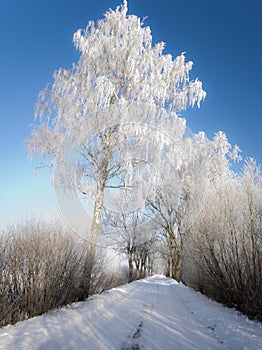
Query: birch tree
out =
(121, 86)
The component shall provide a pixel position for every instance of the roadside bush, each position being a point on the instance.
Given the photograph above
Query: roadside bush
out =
(42, 267)
(226, 244)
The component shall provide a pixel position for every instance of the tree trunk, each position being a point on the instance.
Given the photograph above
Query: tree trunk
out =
(130, 266)
(168, 266)
(137, 261)
(97, 216)
(94, 235)
(181, 255)
(174, 255)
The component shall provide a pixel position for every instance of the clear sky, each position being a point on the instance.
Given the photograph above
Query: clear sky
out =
(221, 37)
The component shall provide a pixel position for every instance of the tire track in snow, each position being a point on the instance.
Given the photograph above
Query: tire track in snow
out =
(133, 341)
(137, 339)
(168, 324)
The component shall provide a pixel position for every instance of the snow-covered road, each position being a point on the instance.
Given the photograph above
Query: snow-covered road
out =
(155, 313)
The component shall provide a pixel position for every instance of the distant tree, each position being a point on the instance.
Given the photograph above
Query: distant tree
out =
(131, 235)
(121, 81)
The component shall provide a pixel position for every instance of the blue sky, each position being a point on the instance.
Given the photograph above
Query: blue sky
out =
(221, 37)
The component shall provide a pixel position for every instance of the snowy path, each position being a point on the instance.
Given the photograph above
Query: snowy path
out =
(151, 314)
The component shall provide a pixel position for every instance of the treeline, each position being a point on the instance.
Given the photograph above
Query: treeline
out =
(45, 266)
(223, 253)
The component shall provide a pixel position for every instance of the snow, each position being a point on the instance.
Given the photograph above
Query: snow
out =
(156, 313)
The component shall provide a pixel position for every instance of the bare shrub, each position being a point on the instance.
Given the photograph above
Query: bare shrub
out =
(227, 244)
(42, 266)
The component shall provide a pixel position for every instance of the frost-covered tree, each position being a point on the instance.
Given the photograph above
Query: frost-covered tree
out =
(198, 165)
(104, 106)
